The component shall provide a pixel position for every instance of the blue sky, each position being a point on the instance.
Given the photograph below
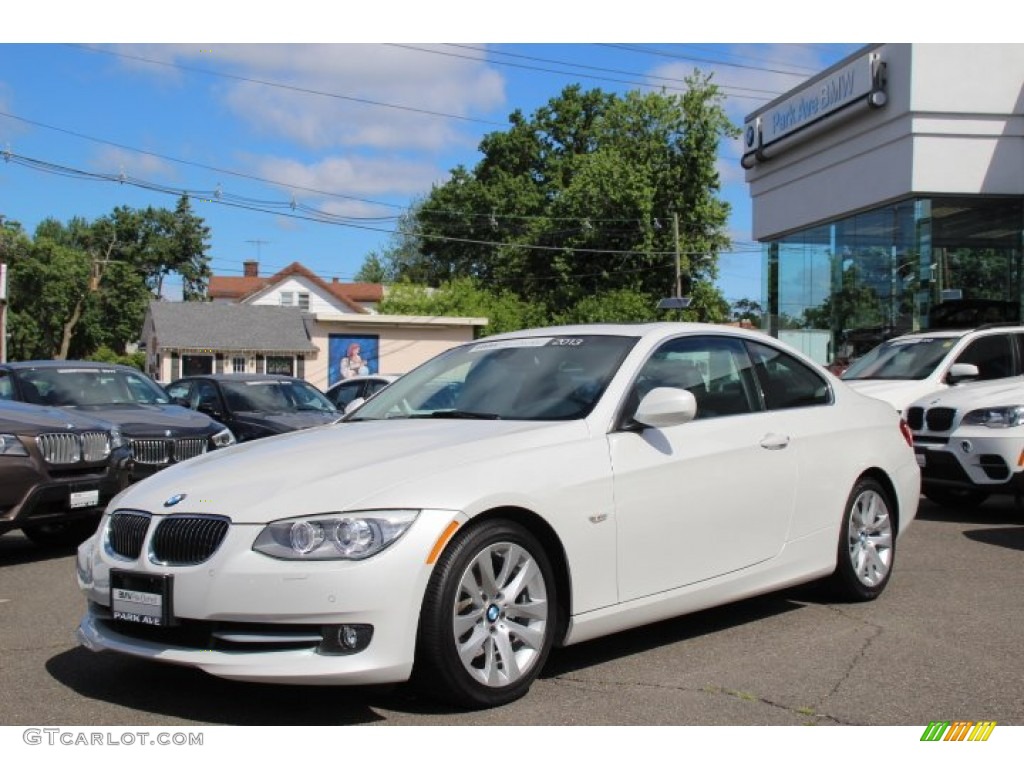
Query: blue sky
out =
(266, 137)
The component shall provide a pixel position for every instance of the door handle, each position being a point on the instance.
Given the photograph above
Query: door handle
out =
(774, 442)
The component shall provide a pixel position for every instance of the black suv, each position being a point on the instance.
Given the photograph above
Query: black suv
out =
(58, 470)
(255, 405)
(158, 431)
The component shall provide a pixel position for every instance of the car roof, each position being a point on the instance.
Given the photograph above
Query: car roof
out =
(24, 365)
(635, 330)
(237, 377)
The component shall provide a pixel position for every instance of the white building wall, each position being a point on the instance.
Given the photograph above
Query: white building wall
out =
(319, 301)
(953, 124)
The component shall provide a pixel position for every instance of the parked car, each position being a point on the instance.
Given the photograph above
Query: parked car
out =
(159, 432)
(58, 470)
(255, 405)
(357, 389)
(908, 367)
(583, 480)
(969, 442)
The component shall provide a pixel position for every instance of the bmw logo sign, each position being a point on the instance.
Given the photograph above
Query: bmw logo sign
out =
(750, 135)
(175, 499)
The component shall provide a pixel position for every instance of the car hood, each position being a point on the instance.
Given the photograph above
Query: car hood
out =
(137, 420)
(899, 394)
(345, 466)
(286, 422)
(1000, 392)
(25, 419)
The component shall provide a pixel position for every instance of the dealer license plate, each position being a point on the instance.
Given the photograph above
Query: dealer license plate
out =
(141, 598)
(80, 499)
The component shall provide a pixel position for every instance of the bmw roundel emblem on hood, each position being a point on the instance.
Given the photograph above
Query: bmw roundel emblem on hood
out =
(176, 498)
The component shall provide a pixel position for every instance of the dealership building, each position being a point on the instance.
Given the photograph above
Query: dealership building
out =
(888, 190)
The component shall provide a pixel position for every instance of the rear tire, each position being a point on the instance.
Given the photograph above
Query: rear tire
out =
(955, 498)
(488, 618)
(867, 543)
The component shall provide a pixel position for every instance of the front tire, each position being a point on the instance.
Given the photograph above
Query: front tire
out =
(488, 617)
(867, 543)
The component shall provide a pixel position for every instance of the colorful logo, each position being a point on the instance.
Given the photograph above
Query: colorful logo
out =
(958, 730)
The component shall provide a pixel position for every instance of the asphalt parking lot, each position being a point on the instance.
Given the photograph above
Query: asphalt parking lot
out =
(943, 642)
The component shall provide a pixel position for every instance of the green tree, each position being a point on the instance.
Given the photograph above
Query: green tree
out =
(463, 297)
(83, 285)
(578, 201)
(749, 310)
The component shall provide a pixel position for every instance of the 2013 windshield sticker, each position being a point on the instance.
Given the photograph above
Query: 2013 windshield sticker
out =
(487, 346)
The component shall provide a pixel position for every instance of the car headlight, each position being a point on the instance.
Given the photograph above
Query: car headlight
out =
(223, 439)
(339, 536)
(10, 445)
(996, 418)
(116, 439)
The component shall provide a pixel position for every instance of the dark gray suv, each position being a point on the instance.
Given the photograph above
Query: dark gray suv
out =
(158, 431)
(58, 470)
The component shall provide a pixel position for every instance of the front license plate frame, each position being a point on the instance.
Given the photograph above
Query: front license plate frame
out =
(142, 598)
(84, 499)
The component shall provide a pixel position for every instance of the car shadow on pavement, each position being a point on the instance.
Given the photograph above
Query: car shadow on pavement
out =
(192, 696)
(992, 512)
(1011, 538)
(15, 549)
(565, 661)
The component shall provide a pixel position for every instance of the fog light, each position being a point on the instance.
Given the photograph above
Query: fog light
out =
(343, 639)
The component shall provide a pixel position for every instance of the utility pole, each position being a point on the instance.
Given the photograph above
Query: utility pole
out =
(677, 300)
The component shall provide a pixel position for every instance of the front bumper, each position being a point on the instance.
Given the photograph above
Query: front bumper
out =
(271, 611)
(977, 458)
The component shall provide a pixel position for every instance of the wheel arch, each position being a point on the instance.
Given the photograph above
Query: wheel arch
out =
(552, 544)
(882, 477)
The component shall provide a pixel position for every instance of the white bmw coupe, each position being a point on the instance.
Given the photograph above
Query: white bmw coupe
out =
(536, 488)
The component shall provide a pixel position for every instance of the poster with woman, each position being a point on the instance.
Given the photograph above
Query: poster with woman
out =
(352, 356)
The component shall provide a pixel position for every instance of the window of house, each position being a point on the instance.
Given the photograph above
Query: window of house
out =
(238, 364)
(283, 366)
(298, 299)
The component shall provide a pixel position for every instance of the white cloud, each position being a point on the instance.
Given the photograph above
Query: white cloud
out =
(354, 175)
(141, 166)
(366, 77)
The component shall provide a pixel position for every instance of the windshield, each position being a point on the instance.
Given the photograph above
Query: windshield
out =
(89, 386)
(529, 378)
(905, 358)
(275, 397)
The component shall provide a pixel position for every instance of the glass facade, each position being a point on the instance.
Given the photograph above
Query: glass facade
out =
(838, 289)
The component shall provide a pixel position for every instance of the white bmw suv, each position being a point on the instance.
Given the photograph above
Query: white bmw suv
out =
(969, 441)
(909, 367)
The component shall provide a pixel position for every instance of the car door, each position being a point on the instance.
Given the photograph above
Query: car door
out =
(708, 497)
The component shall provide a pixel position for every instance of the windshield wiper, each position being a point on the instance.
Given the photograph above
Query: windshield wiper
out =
(458, 415)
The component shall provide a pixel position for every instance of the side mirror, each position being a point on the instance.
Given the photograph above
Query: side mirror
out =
(354, 404)
(182, 401)
(962, 371)
(666, 407)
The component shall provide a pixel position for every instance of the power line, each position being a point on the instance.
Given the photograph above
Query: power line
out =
(218, 197)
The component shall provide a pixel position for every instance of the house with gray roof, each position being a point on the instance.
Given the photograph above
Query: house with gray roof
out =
(188, 338)
(194, 337)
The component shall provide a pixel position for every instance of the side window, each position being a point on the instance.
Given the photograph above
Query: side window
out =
(205, 396)
(787, 382)
(716, 370)
(345, 394)
(6, 389)
(179, 390)
(992, 355)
